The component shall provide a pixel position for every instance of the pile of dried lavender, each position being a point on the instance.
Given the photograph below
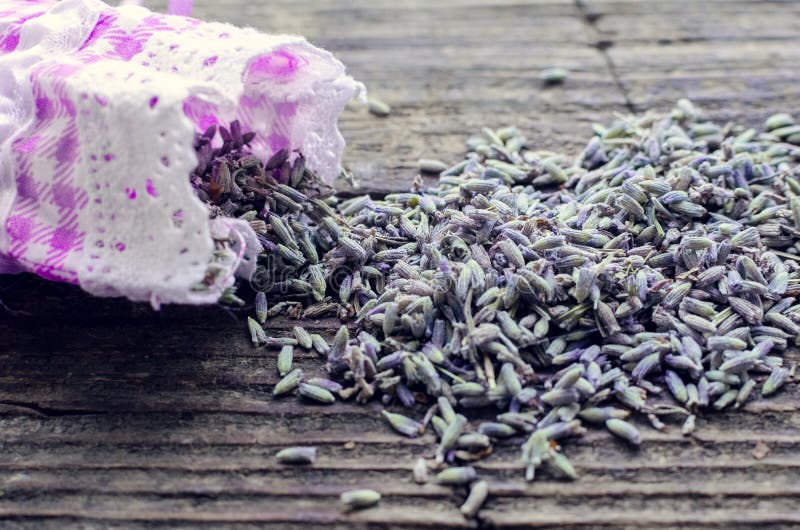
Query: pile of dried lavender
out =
(654, 274)
(235, 183)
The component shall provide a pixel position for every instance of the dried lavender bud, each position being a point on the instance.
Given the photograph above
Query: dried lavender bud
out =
(477, 496)
(456, 476)
(496, 430)
(427, 165)
(624, 430)
(554, 76)
(303, 337)
(359, 499)
(601, 414)
(297, 455)
(402, 424)
(473, 441)
(285, 360)
(420, 471)
(331, 386)
(315, 393)
(289, 382)
(450, 435)
(776, 379)
(560, 465)
(261, 307)
(257, 334)
(379, 108)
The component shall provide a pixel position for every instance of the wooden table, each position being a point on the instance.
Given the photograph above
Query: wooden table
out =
(113, 415)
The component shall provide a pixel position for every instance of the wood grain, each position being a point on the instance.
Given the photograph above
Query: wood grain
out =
(116, 416)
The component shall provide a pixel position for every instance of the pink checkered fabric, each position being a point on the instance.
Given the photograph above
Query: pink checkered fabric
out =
(99, 107)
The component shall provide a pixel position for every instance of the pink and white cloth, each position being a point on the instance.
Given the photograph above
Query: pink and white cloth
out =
(98, 110)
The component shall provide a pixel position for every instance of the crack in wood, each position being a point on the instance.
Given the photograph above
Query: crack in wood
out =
(590, 18)
(49, 411)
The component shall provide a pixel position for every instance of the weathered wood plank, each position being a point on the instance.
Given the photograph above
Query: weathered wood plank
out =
(659, 460)
(113, 415)
(687, 21)
(416, 513)
(189, 417)
(743, 81)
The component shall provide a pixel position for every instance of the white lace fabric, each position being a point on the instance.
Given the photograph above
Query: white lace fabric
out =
(98, 111)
